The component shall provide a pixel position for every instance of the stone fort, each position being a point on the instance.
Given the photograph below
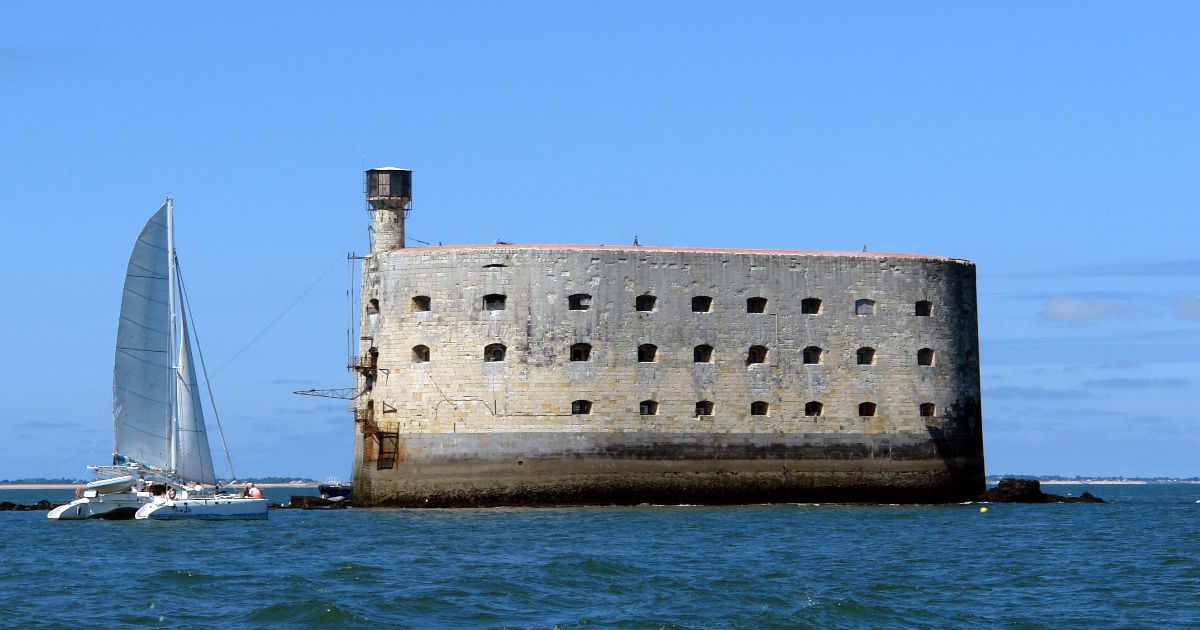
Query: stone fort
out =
(525, 374)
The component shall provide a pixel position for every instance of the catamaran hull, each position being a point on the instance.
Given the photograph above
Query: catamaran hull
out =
(211, 509)
(106, 506)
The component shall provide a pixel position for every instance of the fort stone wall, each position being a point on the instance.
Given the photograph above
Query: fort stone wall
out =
(522, 374)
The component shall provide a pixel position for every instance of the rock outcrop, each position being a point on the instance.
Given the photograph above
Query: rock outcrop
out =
(40, 506)
(1030, 491)
(307, 502)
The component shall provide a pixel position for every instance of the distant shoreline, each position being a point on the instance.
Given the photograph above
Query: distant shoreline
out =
(72, 486)
(991, 480)
(1105, 482)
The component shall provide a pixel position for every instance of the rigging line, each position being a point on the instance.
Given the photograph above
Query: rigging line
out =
(279, 316)
(207, 381)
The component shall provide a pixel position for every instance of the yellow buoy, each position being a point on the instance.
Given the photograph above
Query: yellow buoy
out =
(983, 509)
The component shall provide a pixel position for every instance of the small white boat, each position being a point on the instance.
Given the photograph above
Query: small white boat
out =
(216, 507)
(158, 419)
(334, 489)
(110, 485)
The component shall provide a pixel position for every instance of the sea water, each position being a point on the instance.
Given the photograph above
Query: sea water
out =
(1134, 562)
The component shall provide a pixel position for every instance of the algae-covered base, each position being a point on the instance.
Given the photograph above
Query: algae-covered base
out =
(730, 488)
(473, 470)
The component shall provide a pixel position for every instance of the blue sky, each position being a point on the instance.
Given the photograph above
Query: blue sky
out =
(1054, 145)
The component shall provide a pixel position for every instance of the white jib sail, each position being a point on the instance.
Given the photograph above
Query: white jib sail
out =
(193, 462)
(142, 418)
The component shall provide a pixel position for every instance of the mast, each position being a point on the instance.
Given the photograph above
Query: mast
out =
(172, 352)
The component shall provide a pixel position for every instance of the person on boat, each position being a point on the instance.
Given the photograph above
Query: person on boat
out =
(255, 493)
(141, 483)
(246, 490)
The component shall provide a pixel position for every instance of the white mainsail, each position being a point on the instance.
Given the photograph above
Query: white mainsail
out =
(142, 414)
(157, 417)
(193, 461)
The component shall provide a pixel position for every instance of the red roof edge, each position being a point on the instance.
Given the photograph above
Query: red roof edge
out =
(655, 248)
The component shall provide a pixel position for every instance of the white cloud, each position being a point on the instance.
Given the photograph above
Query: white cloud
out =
(1187, 307)
(1073, 309)
(1033, 393)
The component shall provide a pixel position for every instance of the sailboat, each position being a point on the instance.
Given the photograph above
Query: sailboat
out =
(159, 433)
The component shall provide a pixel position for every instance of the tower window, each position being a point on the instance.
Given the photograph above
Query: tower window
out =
(702, 354)
(579, 302)
(644, 302)
(647, 353)
(756, 305)
(864, 307)
(493, 302)
(759, 408)
(420, 354)
(701, 304)
(810, 306)
(581, 407)
(925, 356)
(813, 408)
(866, 356)
(757, 354)
(928, 410)
(704, 408)
(494, 352)
(866, 409)
(648, 408)
(373, 306)
(420, 303)
(812, 355)
(581, 352)
(924, 308)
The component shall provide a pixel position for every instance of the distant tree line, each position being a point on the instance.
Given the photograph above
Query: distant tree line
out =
(1092, 478)
(64, 480)
(43, 480)
(277, 479)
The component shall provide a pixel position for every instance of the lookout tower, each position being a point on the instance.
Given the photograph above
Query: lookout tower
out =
(389, 200)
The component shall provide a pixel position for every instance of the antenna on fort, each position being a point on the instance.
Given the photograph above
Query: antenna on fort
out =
(389, 200)
(635, 241)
